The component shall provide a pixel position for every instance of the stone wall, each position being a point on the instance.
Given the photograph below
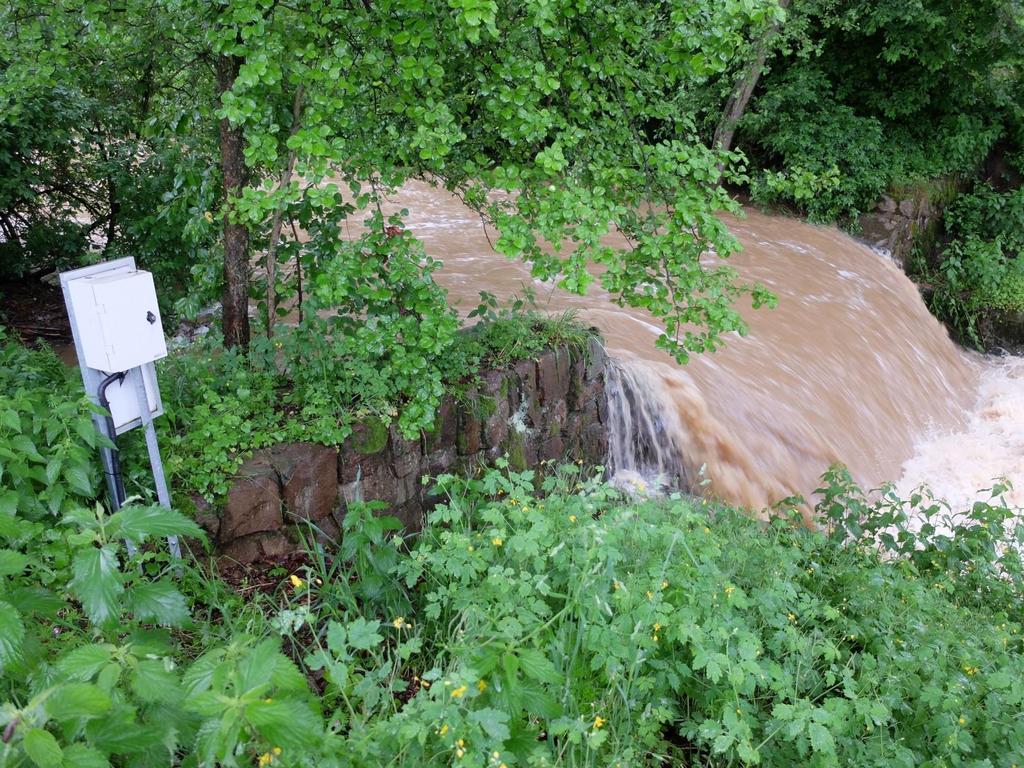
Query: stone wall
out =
(550, 408)
(913, 219)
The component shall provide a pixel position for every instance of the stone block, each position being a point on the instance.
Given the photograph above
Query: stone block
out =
(552, 449)
(254, 501)
(595, 444)
(445, 426)
(597, 359)
(352, 464)
(468, 437)
(553, 375)
(400, 446)
(309, 479)
(495, 427)
(440, 461)
(407, 463)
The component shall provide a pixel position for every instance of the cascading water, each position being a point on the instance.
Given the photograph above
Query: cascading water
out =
(850, 367)
(642, 449)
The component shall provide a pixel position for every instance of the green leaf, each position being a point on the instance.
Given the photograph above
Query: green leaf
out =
(78, 479)
(288, 723)
(821, 739)
(42, 749)
(12, 632)
(153, 681)
(159, 602)
(536, 665)
(85, 663)
(362, 634)
(77, 700)
(98, 583)
(493, 721)
(12, 562)
(141, 523)
(82, 756)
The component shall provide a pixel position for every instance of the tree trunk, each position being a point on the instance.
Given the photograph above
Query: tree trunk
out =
(235, 320)
(743, 90)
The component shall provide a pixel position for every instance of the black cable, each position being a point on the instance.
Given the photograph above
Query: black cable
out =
(115, 461)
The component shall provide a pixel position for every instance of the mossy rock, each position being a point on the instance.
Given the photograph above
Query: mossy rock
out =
(515, 448)
(371, 436)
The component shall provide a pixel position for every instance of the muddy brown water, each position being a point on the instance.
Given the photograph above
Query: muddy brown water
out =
(849, 367)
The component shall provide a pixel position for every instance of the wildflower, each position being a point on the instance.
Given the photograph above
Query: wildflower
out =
(962, 720)
(276, 750)
(495, 755)
(471, 548)
(425, 684)
(444, 729)
(730, 589)
(296, 581)
(664, 585)
(399, 622)
(481, 685)
(616, 584)
(460, 752)
(706, 529)
(460, 743)
(650, 595)
(265, 759)
(497, 541)
(657, 627)
(459, 692)
(598, 722)
(208, 216)
(572, 518)
(791, 616)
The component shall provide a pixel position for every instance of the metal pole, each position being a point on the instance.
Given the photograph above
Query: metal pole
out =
(162, 494)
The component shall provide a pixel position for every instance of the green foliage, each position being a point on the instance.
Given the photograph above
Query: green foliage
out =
(864, 95)
(569, 626)
(503, 335)
(574, 628)
(47, 437)
(982, 270)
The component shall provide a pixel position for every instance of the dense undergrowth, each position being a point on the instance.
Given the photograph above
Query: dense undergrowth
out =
(565, 625)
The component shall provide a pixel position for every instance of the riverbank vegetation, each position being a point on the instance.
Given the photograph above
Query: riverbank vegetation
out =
(565, 624)
(226, 145)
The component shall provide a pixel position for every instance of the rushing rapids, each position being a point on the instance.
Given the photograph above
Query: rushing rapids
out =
(850, 367)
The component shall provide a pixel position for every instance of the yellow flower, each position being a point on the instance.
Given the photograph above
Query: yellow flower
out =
(459, 692)
(460, 752)
(471, 548)
(598, 721)
(497, 541)
(208, 216)
(425, 684)
(664, 585)
(296, 581)
(616, 584)
(962, 720)
(572, 518)
(495, 755)
(706, 529)
(657, 627)
(265, 759)
(481, 685)
(444, 729)
(730, 589)
(399, 622)
(276, 750)
(650, 595)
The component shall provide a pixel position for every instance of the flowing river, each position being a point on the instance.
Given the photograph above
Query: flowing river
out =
(850, 367)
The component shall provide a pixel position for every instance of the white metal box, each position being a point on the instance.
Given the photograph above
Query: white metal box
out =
(118, 319)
